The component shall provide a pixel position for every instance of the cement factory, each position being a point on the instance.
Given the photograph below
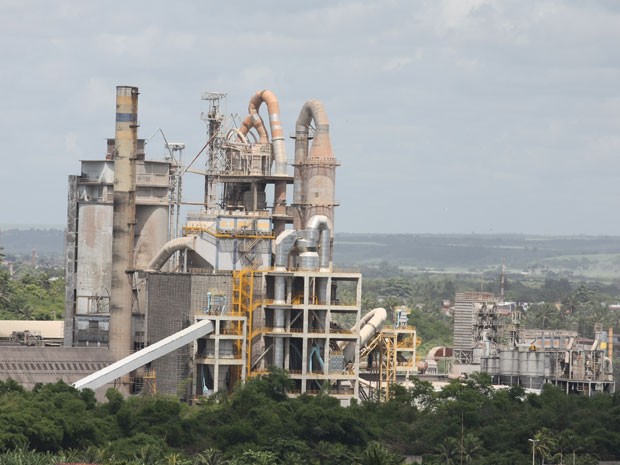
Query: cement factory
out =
(247, 282)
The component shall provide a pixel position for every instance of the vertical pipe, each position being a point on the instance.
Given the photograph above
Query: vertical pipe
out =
(610, 343)
(124, 213)
(301, 151)
(278, 352)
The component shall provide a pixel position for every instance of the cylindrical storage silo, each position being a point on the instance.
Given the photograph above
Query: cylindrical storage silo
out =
(532, 369)
(509, 367)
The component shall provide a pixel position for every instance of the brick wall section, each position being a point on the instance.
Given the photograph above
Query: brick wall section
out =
(168, 297)
(172, 300)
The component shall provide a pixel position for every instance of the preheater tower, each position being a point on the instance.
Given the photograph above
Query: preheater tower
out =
(124, 214)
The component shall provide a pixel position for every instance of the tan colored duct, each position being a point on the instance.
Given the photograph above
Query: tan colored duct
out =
(255, 122)
(313, 110)
(277, 134)
(279, 150)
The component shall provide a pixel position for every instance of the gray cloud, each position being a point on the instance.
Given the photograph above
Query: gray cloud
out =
(447, 116)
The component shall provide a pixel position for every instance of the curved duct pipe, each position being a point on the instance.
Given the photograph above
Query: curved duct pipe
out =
(279, 152)
(238, 134)
(322, 224)
(277, 134)
(369, 325)
(256, 122)
(313, 188)
(284, 244)
(313, 110)
(168, 249)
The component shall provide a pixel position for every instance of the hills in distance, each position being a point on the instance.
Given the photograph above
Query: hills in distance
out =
(595, 257)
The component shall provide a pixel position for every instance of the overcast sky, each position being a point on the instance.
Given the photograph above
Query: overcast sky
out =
(452, 116)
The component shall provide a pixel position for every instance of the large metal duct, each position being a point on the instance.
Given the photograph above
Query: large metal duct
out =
(277, 134)
(279, 151)
(284, 245)
(369, 325)
(307, 244)
(170, 247)
(256, 122)
(322, 224)
(124, 214)
(315, 171)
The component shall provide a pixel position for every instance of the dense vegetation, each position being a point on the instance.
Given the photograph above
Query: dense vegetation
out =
(467, 422)
(31, 295)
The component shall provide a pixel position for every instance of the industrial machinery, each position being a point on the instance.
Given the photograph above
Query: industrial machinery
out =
(258, 268)
(492, 341)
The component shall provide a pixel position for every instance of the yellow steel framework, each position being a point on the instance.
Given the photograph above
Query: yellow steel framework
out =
(149, 380)
(388, 343)
(243, 304)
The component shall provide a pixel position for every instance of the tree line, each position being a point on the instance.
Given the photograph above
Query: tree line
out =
(467, 422)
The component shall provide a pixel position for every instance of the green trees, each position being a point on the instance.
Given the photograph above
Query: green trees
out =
(467, 422)
(33, 295)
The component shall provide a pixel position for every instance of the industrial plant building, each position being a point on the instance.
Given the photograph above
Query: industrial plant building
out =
(258, 268)
(488, 341)
(246, 283)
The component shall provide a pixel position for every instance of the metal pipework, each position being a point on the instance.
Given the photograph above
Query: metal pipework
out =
(321, 224)
(307, 245)
(170, 247)
(313, 190)
(369, 325)
(277, 134)
(124, 214)
(313, 110)
(256, 122)
(284, 245)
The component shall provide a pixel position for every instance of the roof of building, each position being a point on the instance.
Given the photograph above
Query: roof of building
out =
(31, 365)
(47, 329)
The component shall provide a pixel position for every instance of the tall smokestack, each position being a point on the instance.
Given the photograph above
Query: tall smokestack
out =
(124, 212)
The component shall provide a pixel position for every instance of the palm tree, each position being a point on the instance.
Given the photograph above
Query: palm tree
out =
(544, 443)
(376, 454)
(448, 450)
(210, 457)
(470, 448)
